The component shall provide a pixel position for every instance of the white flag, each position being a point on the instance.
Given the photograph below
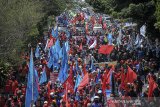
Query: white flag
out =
(143, 30)
(93, 45)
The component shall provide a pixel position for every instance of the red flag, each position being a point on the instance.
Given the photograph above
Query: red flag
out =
(104, 26)
(106, 80)
(152, 86)
(69, 82)
(100, 20)
(50, 43)
(84, 69)
(122, 80)
(131, 76)
(86, 28)
(106, 49)
(80, 47)
(65, 98)
(84, 82)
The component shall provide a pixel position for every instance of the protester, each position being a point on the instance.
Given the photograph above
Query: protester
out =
(94, 67)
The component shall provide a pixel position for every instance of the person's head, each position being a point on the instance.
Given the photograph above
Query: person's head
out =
(96, 99)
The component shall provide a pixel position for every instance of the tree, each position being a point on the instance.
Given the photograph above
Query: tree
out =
(157, 14)
(18, 20)
(140, 11)
(24, 22)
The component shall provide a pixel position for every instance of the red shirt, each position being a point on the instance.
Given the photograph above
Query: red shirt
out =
(14, 85)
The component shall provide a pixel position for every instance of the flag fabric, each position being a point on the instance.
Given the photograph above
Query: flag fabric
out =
(123, 80)
(86, 28)
(50, 43)
(46, 45)
(60, 53)
(100, 19)
(94, 44)
(50, 61)
(119, 37)
(137, 40)
(104, 26)
(78, 80)
(67, 33)
(43, 77)
(92, 65)
(110, 39)
(80, 47)
(67, 46)
(32, 86)
(98, 77)
(106, 79)
(152, 85)
(62, 76)
(37, 79)
(84, 69)
(69, 83)
(37, 53)
(57, 53)
(131, 76)
(57, 46)
(55, 33)
(84, 82)
(105, 49)
(143, 30)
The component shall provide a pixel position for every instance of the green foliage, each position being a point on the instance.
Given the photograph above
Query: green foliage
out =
(4, 68)
(140, 11)
(157, 13)
(23, 22)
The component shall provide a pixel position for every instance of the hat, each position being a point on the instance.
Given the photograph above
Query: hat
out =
(99, 91)
(96, 97)
(46, 102)
(51, 93)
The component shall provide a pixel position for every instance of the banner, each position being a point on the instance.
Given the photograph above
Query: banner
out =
(104, 63)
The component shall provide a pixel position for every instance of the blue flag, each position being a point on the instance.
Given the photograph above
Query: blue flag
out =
(98, 76)
(92, 65)
(53, 33)
(62, 76)
(32, 86)
(67, 46)
(60, 53)
(37, 53)
(67, 33)
(78, 80)
(36, 75)
(110, 39)
(58, 49)
(43, 77)
(109, 91)
(50, 62)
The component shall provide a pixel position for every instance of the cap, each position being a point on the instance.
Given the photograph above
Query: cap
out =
(96, 97)
(99, 91)
(45, 102)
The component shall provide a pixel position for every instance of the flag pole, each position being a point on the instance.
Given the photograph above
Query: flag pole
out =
(32, 102)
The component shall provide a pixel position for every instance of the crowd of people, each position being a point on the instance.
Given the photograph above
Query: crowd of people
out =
(103, 67)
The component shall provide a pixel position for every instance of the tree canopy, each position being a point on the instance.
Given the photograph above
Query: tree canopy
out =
(22, 22)
(140, 11)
